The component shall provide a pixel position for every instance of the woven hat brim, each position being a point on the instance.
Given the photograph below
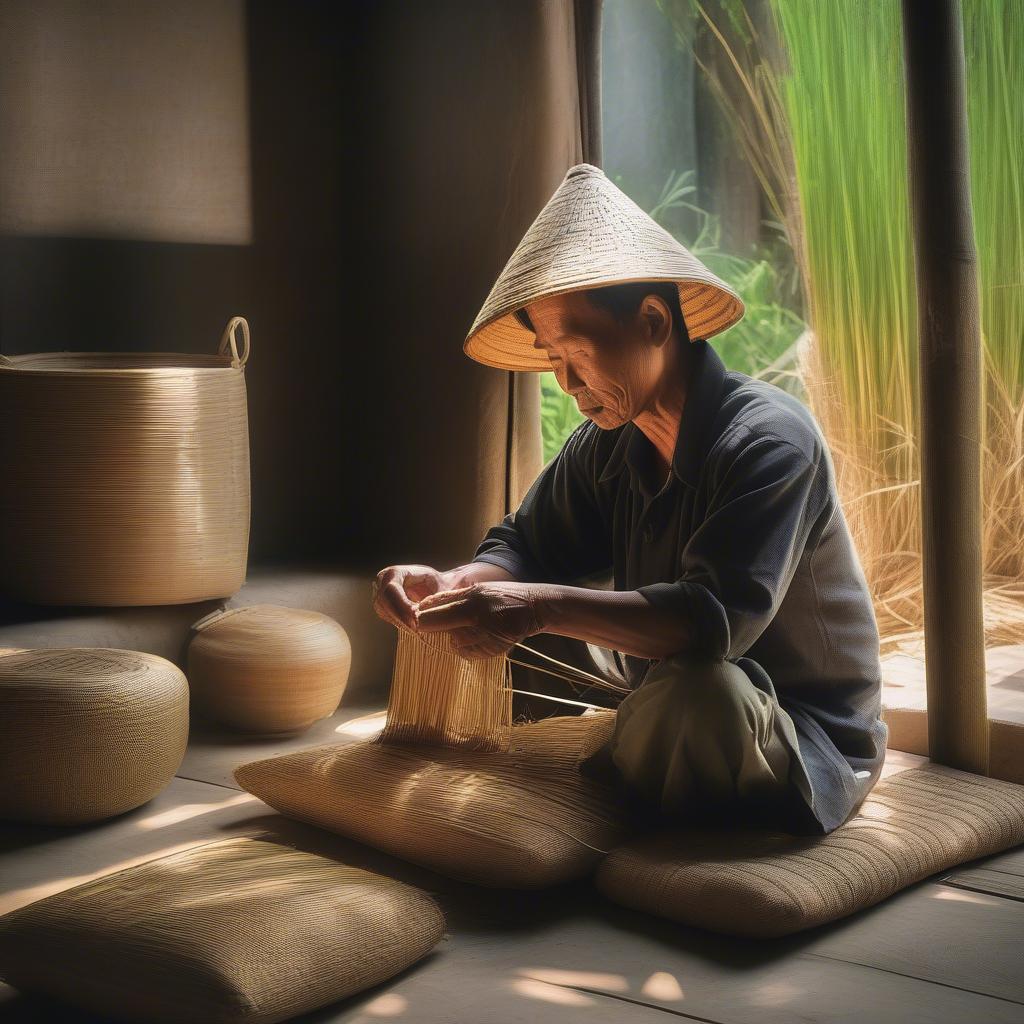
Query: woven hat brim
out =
(507, 345)
(590, 234)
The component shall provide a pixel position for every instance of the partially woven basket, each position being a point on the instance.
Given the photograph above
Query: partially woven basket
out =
(267, 668)
(87, 732)
(125, 476)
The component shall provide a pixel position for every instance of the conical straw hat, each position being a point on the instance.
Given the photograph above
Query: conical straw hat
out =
(591, 234)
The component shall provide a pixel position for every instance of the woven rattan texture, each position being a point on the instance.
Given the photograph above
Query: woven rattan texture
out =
(763, 883)
(524, 818)
(439, 697)
(267, 668)
(234, 931)
(87, 732)
(589, 234)
(126, 478)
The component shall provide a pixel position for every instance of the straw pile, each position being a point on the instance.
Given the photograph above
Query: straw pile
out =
(239, 930)
(268, 669)
(438, 697)
(126, 476)
(87, 732)
(525, 818)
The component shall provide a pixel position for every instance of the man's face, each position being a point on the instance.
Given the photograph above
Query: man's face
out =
(613, 370)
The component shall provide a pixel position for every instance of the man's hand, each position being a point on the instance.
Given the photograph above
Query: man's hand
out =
(484, 619)
(398, 587)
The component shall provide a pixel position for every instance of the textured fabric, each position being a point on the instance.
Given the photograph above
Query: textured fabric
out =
(87, 732)
(701, 736)
(266, 668)
(522, 819)
(745, 540)
(765, 883)
(235, 931)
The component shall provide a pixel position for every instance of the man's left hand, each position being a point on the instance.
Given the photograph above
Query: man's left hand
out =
(485, 619)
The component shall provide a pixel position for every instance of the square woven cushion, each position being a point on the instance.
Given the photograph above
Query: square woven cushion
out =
(238, 930)
(522, 819)
(767, 883)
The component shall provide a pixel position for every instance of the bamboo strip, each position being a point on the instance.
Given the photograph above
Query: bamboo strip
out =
(440, 698)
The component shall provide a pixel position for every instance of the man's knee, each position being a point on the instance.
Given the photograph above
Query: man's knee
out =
(717, 696)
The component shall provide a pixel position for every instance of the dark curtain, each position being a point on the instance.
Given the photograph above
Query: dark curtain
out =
(351, 177)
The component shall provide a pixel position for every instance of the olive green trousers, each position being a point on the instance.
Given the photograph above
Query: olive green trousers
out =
(693, 739)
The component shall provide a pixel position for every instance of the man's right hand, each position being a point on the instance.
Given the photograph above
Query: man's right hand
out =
(398, 587)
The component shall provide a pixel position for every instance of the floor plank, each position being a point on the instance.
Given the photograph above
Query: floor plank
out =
(214, 752)
(969, 941)
(988, 880)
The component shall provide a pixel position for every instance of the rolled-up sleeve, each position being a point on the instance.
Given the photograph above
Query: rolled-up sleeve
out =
(737, 565)
(560, 532)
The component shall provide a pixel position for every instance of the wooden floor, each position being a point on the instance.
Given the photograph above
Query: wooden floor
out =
(949, 949)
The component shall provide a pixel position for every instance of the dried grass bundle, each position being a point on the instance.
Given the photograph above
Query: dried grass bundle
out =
(440, 698)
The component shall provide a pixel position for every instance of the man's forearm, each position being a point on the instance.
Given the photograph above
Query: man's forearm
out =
(476, 572)
(622, 620)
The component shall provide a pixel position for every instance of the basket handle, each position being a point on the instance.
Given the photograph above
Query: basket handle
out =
(228, 341)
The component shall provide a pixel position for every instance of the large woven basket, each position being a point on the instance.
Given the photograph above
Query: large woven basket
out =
(124, 477)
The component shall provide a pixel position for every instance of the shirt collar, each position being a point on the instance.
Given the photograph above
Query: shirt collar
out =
(703, 400)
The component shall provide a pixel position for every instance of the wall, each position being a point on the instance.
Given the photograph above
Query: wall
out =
(392, 154)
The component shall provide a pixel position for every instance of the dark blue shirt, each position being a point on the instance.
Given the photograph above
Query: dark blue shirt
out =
(746, 540)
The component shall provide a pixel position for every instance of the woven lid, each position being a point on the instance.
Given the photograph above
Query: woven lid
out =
(591, 234)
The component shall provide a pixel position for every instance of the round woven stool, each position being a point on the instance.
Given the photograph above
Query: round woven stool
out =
(268, 669)
(87, 732)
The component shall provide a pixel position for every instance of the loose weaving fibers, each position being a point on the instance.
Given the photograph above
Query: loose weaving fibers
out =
(764, 883)
(126, 476)
(439, 697)
(239, 930)
(267, 668)
(524, 818)
(87, 732)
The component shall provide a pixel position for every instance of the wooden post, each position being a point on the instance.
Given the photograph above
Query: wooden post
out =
(950, 381)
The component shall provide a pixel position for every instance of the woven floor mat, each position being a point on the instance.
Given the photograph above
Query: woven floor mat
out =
(765, 883)
(523, 818)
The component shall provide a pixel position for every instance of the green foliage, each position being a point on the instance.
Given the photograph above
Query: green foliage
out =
(559, 415)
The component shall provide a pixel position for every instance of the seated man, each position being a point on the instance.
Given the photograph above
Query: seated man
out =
(739, 604)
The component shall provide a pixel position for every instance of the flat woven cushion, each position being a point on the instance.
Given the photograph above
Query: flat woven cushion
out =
(237, 930)
(524, 818)
(767, 883)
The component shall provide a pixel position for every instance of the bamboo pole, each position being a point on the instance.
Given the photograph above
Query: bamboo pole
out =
(950, 383)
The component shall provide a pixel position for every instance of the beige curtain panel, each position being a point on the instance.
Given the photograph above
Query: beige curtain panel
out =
(240, 931)
(126, 476)
(87, 732)
(268, 669)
